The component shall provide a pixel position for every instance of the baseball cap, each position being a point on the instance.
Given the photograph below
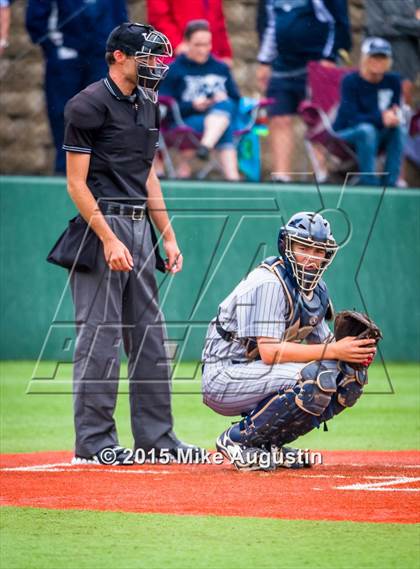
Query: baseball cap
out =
(376, 46)
(128, 37)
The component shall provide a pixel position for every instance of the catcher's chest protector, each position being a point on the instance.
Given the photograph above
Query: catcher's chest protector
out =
(304, 314)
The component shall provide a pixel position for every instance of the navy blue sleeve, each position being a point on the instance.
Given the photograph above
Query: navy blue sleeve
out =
(339, 11)
(231, 86)
(396, 98)
(121, 14)
(261, 19)
(173, 85)
(37, 15)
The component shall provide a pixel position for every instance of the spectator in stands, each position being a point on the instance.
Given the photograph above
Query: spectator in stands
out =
(207, 97)
(293, 32)
(172, 17)
(399, 23)
(4, 25)
(369, 115)
(72, 35)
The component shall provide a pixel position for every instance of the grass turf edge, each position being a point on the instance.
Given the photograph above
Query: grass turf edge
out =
(33, 538)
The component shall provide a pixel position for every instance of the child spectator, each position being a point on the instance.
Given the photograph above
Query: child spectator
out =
(207, 96)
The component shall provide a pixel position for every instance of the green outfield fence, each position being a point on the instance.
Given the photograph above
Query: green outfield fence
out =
(223, 230)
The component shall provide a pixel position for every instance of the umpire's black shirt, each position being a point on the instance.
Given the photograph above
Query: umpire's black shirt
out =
(119, 132)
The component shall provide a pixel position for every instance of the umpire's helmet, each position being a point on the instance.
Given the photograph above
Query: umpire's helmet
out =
(312, 230)
(148, 46)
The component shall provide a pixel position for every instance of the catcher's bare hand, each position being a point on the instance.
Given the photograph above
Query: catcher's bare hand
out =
(352, 349)
(117, 256)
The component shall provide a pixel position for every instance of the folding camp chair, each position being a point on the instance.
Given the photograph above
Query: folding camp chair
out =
(176, 136)
(318, 112)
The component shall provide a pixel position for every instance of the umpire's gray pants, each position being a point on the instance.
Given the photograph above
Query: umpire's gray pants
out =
(112, 309)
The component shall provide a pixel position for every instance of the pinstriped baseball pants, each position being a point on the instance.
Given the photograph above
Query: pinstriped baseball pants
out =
(232, 389)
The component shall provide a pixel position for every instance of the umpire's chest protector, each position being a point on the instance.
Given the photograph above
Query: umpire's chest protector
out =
(304, 314)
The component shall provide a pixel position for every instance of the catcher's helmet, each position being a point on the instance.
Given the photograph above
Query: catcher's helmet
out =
(148, 47)
(312, 230)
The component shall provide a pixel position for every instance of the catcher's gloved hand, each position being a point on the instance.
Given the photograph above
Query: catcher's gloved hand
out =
(352, 323)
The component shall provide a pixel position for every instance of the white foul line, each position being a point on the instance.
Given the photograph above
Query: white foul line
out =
(35, 467)
(381, 486)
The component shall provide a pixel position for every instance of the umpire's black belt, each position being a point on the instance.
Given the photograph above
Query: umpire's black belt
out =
(136, 212)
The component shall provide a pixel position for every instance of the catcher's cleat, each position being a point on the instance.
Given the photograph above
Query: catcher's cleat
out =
(243, 457)
(289, 457)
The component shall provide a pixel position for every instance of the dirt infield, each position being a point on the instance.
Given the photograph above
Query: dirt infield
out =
(351, 485)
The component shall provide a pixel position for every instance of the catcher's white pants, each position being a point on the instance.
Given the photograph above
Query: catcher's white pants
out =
(232, 389)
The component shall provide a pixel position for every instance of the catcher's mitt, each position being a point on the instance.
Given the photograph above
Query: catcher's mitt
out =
(352, 323)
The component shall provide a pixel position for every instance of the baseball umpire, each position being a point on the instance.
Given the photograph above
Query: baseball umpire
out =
(111, 135)
(271, 357)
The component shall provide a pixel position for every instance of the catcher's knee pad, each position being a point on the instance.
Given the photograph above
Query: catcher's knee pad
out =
(283, 417)
(276, 418)
(350, 384)
(316, 388)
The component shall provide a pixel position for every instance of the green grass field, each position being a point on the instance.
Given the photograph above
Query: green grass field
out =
(35, 538)
(42, 419)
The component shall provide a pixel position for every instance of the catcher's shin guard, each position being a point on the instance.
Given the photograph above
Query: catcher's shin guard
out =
(350, 383)
(283, 417)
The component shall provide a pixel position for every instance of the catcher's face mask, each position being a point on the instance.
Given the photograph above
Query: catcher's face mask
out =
(307, 247)
(308, 259)
(151, 68)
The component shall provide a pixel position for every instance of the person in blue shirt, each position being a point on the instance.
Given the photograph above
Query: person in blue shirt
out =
(72, 35)
(369, 116)
(207, 97)
(292, 33)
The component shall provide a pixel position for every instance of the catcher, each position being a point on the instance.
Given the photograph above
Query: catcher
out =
(271, 357)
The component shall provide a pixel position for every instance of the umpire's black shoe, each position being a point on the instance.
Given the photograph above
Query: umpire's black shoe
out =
(108, 456)
(243, 457)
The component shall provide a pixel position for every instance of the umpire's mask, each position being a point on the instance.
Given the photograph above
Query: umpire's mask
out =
(149, 48)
